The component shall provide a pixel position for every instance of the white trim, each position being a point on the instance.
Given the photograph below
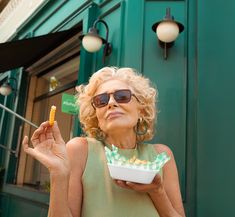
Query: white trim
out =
(15, 14)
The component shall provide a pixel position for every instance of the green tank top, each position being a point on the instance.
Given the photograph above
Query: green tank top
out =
(102, 197)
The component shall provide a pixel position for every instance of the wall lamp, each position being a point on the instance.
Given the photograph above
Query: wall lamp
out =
(92, 42)
(6, 88)
(167, 31)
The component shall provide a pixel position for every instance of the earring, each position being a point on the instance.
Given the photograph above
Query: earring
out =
(141, 127)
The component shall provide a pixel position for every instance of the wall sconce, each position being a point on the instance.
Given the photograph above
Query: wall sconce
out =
(92, 42)
(6, 88)
(167, 31)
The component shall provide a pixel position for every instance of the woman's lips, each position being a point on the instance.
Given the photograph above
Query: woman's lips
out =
(114, 115)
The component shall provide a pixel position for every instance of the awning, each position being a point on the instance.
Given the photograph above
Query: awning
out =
(19, 53)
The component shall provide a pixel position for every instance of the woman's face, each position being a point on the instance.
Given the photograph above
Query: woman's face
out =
(114, 116)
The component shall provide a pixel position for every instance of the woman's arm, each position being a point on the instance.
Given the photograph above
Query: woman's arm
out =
(167, 197)
(59, 206)
(65, 177)
(77, 150)
(66, 192)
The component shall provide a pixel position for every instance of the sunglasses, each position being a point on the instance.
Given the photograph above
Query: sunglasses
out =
(120, 96)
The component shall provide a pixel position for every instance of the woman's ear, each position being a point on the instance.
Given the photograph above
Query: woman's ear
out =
(141, 112)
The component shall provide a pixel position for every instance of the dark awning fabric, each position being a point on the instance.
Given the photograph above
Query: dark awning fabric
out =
(19, 53)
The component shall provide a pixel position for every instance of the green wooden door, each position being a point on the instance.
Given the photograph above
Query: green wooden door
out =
(170, 77)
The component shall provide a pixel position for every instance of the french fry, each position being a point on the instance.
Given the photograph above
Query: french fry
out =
(137, 161)
(52, 115)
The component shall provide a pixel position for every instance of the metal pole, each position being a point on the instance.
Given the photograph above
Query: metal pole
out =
(18, 116)
(8, 149)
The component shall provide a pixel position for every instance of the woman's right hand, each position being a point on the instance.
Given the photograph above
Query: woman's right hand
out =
(49, 148)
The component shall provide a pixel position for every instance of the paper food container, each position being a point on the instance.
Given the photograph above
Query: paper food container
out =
(133, 169)
(138, 175)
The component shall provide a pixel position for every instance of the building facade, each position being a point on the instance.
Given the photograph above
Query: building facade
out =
(195, 84)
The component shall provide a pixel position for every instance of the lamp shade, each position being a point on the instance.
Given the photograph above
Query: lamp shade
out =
(167, 31)
(5, 89)
(91, 43)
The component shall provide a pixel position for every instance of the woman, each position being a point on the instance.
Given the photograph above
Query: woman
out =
(117, 107)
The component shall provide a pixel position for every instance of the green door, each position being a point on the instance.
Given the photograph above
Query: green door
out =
(170, 77)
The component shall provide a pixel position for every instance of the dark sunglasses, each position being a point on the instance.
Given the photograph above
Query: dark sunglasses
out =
(120, 96)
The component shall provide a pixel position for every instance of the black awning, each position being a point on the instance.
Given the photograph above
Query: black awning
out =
(19, 53)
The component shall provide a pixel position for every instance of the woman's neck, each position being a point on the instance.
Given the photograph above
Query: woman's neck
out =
(122, 141)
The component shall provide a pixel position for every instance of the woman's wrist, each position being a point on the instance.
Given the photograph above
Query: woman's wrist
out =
(61, 175)
(159, 191)
(162, 202)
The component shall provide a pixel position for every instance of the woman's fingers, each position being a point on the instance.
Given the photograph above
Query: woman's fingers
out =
(39, 134)
(31, 151)
(132, 185)
(46, 132)
(26, 147)
(157, 181)
(42, 136)
(121, 183)
(49, 135)
(155, 185)
(25, 142)
(56, 133)
(137, 186)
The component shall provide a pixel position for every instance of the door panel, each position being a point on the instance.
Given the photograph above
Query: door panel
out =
(170, 77)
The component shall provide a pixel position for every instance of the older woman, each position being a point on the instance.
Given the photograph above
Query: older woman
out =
(117, 107)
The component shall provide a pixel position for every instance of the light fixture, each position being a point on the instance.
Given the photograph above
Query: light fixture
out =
(92, 42)
(6, 88)
(167, 31)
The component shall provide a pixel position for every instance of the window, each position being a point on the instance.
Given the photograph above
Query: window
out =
(46, 89)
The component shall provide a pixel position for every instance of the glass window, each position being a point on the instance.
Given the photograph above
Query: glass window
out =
(47, 90)
(58, 77)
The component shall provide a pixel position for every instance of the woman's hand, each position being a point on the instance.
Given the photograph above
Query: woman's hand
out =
(49, 148)
(154, 187)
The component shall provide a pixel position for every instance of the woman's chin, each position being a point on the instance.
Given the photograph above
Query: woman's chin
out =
(118, 126)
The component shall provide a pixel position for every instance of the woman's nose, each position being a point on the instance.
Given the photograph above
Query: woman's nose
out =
(112, 101)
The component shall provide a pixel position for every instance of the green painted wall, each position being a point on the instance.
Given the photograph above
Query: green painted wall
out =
(216, 106)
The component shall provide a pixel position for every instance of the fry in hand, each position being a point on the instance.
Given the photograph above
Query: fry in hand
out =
(52, 115)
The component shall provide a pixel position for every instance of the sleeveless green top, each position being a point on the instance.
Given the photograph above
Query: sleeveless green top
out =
(102, 197)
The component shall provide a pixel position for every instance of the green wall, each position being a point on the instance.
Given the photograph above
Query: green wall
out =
(216, 107)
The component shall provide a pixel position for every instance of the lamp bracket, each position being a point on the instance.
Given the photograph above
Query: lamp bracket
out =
(108, 46)
(108, 49)
(165, 44)
(168, 15)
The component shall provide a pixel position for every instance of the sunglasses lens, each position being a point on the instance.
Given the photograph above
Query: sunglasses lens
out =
(122, 96)
(101, 100)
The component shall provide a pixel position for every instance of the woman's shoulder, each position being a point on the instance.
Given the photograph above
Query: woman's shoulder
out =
(77, 146)
(77, 153)
(81, 143)
(76, 143)
(163, 148)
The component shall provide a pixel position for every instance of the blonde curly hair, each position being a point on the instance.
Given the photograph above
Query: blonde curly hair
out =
(140, 86)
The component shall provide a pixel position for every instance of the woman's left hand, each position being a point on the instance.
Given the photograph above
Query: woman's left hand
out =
(154, 187)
